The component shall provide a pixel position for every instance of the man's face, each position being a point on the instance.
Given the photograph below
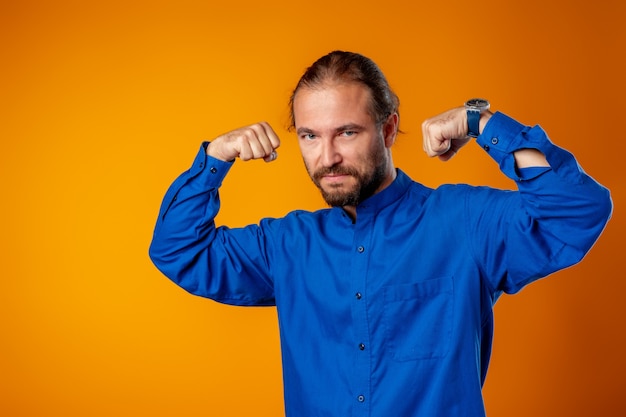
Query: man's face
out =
(344, 151)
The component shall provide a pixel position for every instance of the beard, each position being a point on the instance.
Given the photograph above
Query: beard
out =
(367, 182)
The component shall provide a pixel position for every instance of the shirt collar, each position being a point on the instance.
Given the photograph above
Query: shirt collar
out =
(387, 196)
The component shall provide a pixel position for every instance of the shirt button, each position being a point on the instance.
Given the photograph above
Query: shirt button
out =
(361, 346)
(361, 398)
(358, 295)
(213, 170)
(486, 147)
(494, 141)
(361, 249)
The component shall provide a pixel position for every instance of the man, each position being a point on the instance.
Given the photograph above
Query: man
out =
(385, 299)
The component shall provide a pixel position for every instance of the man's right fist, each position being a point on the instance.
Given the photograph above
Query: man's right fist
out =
(257, 141)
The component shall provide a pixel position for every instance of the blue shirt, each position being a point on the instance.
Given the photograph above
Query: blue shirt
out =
(390, 315)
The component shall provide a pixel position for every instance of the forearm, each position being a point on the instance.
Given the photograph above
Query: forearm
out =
(446, 133)
(524, 158)
(185, 224)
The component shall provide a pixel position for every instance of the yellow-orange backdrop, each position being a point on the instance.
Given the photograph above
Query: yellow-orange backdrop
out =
(104, 103)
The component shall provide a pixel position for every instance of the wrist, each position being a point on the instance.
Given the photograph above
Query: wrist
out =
(213, 150)
(475, 108)
(484, 118)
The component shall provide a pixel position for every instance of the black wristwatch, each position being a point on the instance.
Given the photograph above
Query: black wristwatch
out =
(474, 107)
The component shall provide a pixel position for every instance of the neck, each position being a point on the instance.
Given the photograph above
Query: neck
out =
(389, 178)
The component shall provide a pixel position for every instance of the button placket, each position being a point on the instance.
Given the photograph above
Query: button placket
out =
(359, 276)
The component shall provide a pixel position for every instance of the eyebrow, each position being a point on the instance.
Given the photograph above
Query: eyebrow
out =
(342, 128)
(350, 126)
(303, 130)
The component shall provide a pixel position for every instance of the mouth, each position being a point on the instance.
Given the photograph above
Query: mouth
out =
(335, 177)
(335, 180)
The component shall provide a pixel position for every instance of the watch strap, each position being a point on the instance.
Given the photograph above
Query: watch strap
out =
(473, 119)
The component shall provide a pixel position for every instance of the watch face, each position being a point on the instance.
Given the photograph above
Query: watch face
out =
(478, 103)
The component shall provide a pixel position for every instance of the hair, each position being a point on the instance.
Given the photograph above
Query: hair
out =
(341, 66)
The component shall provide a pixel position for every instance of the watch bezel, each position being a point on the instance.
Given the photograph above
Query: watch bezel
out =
(477, 103)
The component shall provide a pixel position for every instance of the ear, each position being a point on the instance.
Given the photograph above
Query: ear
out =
(390, 129)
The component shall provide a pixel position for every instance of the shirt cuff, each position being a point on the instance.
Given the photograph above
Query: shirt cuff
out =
(500, 138)
(503, 135)
(208, 170)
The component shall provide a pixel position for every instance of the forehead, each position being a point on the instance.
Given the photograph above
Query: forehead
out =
(332, 104)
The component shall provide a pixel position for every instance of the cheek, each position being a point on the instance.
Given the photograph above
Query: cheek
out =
(366, 162)
(362, 156)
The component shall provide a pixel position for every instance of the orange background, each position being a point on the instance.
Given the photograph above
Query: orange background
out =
(103, 104)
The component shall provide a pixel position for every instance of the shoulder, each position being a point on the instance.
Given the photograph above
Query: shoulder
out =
(298, 219)
(469, 198)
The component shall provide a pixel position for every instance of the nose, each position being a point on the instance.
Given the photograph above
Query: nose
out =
(330, 155)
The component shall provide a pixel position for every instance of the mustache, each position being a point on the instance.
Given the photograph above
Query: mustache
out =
(334, 170)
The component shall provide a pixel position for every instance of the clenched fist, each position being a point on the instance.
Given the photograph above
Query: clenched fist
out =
(446, 133)
(257, 141)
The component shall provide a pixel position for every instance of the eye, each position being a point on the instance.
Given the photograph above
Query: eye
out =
(348, 133)
(308, 136)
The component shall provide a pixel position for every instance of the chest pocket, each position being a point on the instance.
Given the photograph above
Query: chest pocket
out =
(418, 319)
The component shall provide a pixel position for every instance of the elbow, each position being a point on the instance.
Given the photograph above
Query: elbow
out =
(607, 206)
(603, 209)
(597, 218)
(177, 267)
(158, 257)
(164, 260)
